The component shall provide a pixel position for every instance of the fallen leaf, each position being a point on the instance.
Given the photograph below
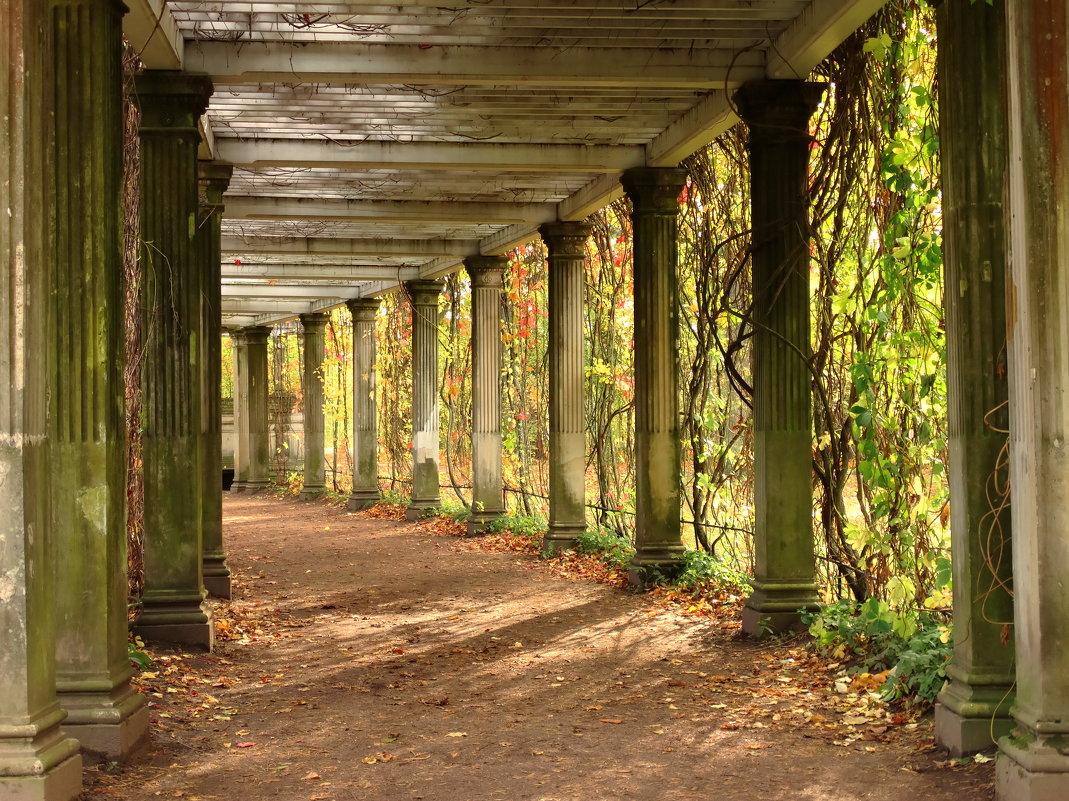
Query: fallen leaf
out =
(244, 745)
(610, 720)
(457, 734)
(310, 775)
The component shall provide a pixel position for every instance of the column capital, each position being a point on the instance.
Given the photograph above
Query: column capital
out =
(171, 101)
(363, 309)
(424, 293)
(486, 271)
(255, 334)
(213, 178)
(654, 190)
(314, 322)
(566, 238)
(779, 110)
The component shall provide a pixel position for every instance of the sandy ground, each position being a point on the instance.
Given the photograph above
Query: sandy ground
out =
(370, 659)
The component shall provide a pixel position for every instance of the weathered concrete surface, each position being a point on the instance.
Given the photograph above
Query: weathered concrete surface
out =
(973, 709)
(258, 473)
(777, 113)
(425, 438)
(566, 244)
(654, 194)
(488, 502)
(214, 179)
(241, 409)
(312, 331)
(37, 760)
(1033, 763)
(172, 607)
(88, 475)
(365, 409)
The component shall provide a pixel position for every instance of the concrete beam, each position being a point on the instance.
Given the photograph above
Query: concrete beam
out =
(151, 29)
(430, 155)
(249, 291)
(318, 272)
(816, 31)
(387, 211)
(448, 65)
(508, 238)
(599, 193)
(335, 246)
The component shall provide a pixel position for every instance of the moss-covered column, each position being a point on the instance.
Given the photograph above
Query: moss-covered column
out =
(777, 113)
(214, 179)
(365, 410)
(172, 607)
(566, 243)
(312, 330)
(37, 761)
(974, 705)
(425, 480)
(88, 487)
(241, 410)
(488, 502)
(1034, 761)
(654, 194)
(257, 433)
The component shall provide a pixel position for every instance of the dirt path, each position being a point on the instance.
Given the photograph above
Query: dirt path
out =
(370, 660)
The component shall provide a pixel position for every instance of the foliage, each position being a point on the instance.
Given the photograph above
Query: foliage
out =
(703, 570)
(910, 648)
(519, 525)
(136, 654)
(609, 546)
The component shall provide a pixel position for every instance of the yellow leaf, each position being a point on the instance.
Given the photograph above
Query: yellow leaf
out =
(457, 734)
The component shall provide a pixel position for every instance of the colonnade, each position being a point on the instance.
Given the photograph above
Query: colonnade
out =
(64, 675)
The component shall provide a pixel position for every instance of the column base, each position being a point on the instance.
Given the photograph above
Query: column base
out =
(311, 493)
(417, 510)
(60, 783)
(479, 522)
(652, 564)
(216, 575)
(237, 487)
(561, 537)
(176, 622)
(775, 608)
(255, 486)
(971, 714)
(219, 586)
(359, 500)
(109, 733)
(1032, 768)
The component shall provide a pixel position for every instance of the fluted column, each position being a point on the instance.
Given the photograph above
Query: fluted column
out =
(36, 759)
(974, 706)
(654, 194)
(566, 243)
(241, 410)
(488, 502)
(172, 608)
(425, 445)
(214, 179)
(1033, 763)
(312, 329)
(88, 488)
(257, 433)
(365, 410)
(777, 113)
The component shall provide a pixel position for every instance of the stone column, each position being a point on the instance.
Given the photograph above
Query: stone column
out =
(566, 243)
(365, 492)
(37, 761)
(975, 703)
(1034, 760)
(425, 481)
(488, 502)
(312, 329)
(777, 113)
(654, 194)
(172, 608)
(241, 410)
(214, 179)
(258, 476)
(88, 475)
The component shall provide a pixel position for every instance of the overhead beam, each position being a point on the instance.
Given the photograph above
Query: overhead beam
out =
(151, 30)
(337, 246)
(508, 238)
(249, 291)
(430, 155)
(451, 65)
(596, 195)
(696, 128)
(318, 272)
(386, 211)
(820, 28)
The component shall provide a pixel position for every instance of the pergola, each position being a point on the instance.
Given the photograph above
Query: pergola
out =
(298, 156)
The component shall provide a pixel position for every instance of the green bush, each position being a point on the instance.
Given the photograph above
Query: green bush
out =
(700, 569)
(914, 647)
(612, 549)
(520, 525)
